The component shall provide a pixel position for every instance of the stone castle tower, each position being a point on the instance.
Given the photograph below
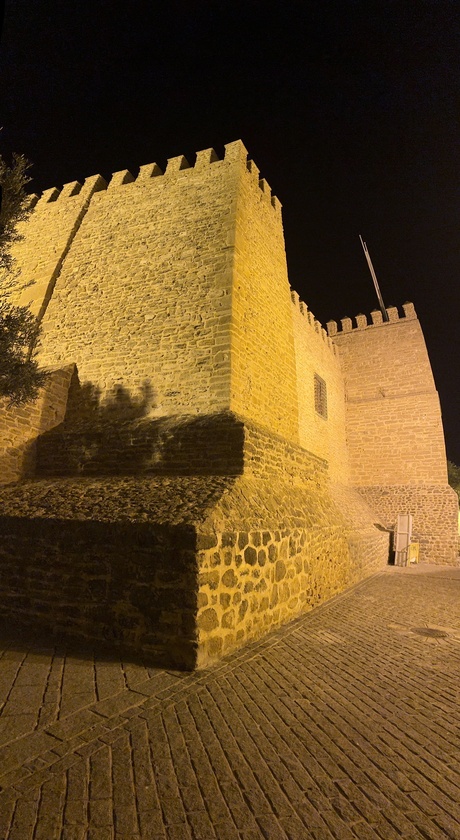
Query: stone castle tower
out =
(206, 461)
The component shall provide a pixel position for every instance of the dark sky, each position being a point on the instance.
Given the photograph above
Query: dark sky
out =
(350, 109)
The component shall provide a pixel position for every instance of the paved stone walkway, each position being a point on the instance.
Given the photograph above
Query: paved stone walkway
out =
(344, 724)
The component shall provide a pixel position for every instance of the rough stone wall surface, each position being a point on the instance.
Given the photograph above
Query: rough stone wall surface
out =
(114, 442)
(263, 546)
(280, 540)
(394, 429)
(394, 425)
(128, 585)
(20, 426)
(147, 281)
(315, 353)
(435, 516)
(402, 436)
(47, 236)
(263, 383)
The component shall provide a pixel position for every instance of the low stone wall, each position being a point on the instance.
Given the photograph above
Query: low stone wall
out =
(435, 516)
(252, 582)
(183, 568)
(133, 586)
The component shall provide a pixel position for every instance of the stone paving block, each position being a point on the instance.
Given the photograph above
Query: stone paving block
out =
(179, 831)
(450, 826)
(120, 703)
(101, 813)
(88, 749)
(151, 824)
(48, 713)
(25, 816)
(426, 828)
(94, 732)
(74, 724)
(25, 749)
(100, 833)
(100, 774)
(7, 808)
(72, 700)
(302, 736)
(365, 831)
(32, 781)
(270, 828)
(13, 726)
(14, 776)
(63, 747)
(202, 827)
(64, 763)
(112, 735)
(74, 831)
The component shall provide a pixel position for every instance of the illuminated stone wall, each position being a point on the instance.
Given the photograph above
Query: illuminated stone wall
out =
(147, 282)
(316, 354)
(395, 438)
(280, 541)
(21, 426)
(198, 552)
(181, 416)
(263, 374)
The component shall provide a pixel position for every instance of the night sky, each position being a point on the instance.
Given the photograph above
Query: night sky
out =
(349, 109)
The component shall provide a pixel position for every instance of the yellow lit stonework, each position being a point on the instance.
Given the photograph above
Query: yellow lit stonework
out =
(175, 477)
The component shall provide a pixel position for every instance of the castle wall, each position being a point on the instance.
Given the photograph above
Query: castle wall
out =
(48, 235)
(184, 566)
(394, 427)
(315, 353)
(263, 375)
(147, 283)
(177, 281)
(189, 492)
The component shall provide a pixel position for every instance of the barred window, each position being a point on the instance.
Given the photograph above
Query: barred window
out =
(320, 396)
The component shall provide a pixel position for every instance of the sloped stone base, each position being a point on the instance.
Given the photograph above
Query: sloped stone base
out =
(182, 568)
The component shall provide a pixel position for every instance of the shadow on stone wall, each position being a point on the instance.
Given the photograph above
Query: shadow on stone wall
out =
(85, 403)
(127, 585)
(117, 436)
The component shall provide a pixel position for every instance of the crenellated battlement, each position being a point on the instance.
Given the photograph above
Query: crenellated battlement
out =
(361, 321)
(310, 321)
(176, 166)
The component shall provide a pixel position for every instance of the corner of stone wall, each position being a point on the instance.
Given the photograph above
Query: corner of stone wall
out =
(20, 426)
(280, 541)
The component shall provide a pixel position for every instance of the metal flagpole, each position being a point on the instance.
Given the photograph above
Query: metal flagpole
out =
(374, 277)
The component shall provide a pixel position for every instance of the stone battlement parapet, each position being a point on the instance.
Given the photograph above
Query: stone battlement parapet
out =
(312, 322)
(234, 152)
(362, 323)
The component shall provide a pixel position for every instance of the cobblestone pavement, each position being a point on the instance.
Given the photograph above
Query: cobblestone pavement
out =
(344, 724)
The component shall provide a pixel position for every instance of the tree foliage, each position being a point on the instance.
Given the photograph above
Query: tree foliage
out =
(20, 377)
(14, 207)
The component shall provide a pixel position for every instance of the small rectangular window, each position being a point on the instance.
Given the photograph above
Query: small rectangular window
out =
(320, 396)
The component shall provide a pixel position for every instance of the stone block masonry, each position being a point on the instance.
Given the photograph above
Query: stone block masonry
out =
(185, 567)
(179, 488)
(395, 438)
